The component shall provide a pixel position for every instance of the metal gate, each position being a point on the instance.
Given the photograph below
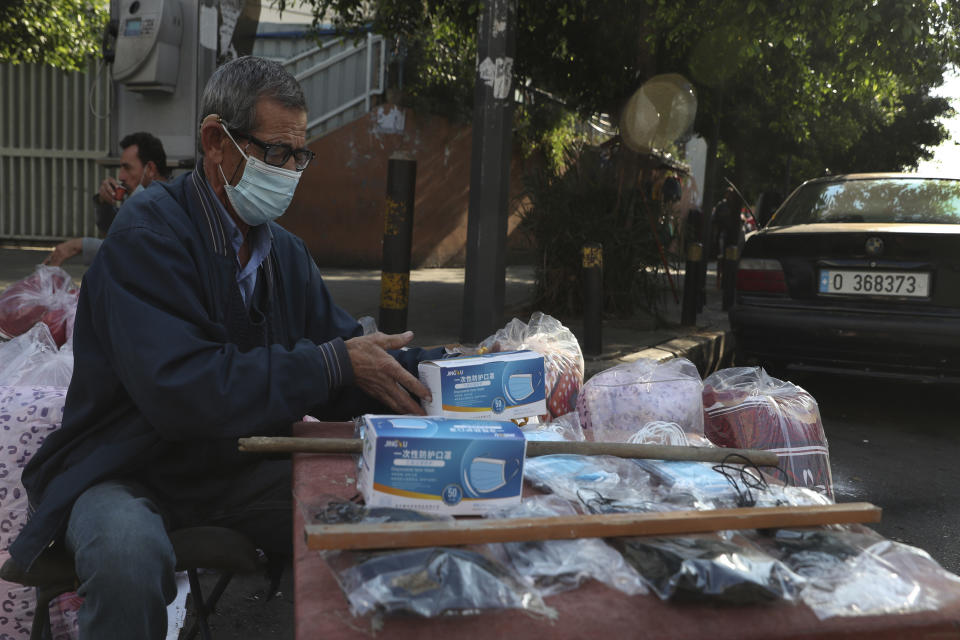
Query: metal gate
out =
(54, 126)
(55, 134)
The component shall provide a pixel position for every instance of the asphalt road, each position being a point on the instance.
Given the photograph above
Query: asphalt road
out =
(896, 444)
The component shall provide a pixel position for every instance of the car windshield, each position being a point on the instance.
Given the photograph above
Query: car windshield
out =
(915, 200)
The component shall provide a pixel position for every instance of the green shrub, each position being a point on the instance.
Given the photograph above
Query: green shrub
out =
(596, 198)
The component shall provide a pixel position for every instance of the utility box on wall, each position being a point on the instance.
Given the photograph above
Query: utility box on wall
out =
(148, 45)
(166, 51)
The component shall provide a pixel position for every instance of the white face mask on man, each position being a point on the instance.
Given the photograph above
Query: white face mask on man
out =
(140, 186)
(264, 191)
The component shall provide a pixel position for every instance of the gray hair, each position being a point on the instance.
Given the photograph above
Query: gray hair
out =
(234, 88)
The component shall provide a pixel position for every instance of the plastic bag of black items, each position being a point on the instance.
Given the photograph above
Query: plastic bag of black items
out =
(615, 483)
(333, 510)
(819, 554)
(854, 571)
(566, 427)
(710, 568)
(554, 566)
(430, 582)
(562, 358)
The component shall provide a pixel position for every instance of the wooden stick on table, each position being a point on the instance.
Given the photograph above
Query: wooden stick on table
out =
(395, 535)
(262, 444)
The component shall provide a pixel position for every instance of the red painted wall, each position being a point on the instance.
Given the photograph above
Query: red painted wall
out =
(339, 206)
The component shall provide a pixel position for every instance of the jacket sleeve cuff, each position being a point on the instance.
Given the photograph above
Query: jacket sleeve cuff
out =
(337, 361)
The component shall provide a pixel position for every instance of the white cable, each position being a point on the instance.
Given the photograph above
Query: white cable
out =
(93, 87)
(659, 432)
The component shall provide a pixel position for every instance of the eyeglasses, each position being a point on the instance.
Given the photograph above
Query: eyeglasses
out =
(277, 155)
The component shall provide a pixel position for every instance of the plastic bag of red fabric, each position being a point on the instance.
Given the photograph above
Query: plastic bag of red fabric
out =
(562, 357)
(617, 403)
(47, 295)
(747, 408)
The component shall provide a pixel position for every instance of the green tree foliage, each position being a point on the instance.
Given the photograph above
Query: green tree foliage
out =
(60, 33)
(587, 203)
(786, 89)
(815, 81)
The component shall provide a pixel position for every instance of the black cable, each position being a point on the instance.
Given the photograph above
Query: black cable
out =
(745, 477)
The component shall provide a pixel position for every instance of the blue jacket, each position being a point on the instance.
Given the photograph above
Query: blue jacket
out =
(163, 382)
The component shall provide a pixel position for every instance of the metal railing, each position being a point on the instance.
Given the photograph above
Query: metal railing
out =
(339, 79)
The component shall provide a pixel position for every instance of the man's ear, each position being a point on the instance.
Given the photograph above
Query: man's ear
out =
(150, 170)
(211, 139)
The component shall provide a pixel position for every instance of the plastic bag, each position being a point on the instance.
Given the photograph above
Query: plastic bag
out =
(431, 581)
(562, 357)
(47, 295)
(854, 571)
(563, 428)
(554, 566)
(744, 407)
(708, 488)
(28, 414)
(710, 567)
(616, 403)
(33, 358)
(603, 484)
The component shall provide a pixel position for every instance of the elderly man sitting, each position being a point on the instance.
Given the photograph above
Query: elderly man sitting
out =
(200, 321)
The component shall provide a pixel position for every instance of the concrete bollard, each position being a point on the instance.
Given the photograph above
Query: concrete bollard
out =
(592, 298)
(397, 243)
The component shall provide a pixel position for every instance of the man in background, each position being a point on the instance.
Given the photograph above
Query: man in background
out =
(142, 161)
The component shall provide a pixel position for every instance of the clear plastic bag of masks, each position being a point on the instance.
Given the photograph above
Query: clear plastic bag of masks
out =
(566, 427)
(430, 581)
(852, 570)
(554, 566)
(602, 484)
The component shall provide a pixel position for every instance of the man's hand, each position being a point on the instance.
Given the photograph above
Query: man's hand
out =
(380, 375)
(63, 251)
(107, 193)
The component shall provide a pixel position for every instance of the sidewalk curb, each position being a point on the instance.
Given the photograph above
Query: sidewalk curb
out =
(708, 350)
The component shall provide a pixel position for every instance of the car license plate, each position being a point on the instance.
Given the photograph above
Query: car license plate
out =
(910, 284)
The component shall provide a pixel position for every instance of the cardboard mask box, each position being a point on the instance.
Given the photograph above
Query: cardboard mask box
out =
(503, 385)
(441, 465)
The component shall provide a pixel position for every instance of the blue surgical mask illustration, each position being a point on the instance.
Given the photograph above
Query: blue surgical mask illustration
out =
(486, 468)
(485, 475)
(520, 387)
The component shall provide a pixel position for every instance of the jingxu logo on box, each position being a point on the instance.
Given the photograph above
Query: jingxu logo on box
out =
(498, 385)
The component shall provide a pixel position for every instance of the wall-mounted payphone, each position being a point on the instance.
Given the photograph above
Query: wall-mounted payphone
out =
(148, 45)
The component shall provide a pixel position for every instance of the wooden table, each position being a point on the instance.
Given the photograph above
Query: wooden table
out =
(591, 611)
